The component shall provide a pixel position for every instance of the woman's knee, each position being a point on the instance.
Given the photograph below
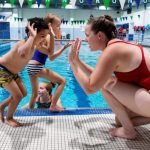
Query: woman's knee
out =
(110, 83)
(104, 93)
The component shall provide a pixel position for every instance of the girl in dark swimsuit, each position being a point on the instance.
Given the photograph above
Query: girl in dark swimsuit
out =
(45, 95)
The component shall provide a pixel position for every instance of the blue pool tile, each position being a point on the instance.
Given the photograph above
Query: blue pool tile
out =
(46, 112)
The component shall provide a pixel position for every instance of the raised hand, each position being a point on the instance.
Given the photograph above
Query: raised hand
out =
(68, 44)
(51, 30)
(32, 31)
(73, 56)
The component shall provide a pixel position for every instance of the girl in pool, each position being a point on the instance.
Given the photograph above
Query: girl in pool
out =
(127, 93)
(45, 95)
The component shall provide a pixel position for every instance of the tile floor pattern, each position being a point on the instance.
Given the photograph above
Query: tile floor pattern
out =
(70, 132)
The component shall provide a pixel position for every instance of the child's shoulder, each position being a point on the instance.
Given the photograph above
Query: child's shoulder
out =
(21, 42)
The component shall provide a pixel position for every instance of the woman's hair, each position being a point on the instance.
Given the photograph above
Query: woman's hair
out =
(49, 18)
(49, 87)
(39, 24)
(104, 24)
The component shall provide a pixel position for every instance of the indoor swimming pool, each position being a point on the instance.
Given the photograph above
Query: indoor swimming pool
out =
(73, 96)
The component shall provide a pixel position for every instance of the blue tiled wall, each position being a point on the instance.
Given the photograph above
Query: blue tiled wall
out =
(4, 30)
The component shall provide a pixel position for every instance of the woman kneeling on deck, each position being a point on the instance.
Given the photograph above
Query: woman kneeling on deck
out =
(127, 93)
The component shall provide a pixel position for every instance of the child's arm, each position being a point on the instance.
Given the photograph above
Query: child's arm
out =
(25, 49)
(54, 55)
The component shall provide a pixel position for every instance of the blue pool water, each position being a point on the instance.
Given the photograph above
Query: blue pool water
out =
(73, 96)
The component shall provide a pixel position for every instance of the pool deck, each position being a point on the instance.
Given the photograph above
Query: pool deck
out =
(82, 129)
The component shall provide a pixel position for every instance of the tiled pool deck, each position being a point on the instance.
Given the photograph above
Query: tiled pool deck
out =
(82, 129)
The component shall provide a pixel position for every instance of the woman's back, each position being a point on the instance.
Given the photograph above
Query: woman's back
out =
(129, 56)
(134, 60)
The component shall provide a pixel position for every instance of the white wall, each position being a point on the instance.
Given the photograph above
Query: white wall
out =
(143, 20)
(77, 14)
(75, 30)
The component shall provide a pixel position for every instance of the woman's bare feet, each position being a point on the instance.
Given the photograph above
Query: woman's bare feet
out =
(56, 109)
(1, 113)
(122, 133)
(13, 123)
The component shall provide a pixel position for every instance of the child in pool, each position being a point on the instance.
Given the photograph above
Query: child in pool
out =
(45, 95)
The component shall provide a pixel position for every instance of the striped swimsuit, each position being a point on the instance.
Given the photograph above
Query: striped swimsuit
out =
(33, 69)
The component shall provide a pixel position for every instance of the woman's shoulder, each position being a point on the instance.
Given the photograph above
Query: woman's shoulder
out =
(120, 47)
(117, 42)
(115, 50)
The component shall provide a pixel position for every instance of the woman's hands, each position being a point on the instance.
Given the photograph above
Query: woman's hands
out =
(74, 54)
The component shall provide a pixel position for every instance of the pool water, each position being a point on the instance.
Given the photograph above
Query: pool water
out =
(73, 96)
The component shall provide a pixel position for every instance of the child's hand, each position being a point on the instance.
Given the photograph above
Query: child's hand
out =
(51, 30)
(68, 44)
(32, 31)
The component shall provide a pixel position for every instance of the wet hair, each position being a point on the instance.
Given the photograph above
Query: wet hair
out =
(49, 87)
(39, 24)
(104, 24)
(49, 18)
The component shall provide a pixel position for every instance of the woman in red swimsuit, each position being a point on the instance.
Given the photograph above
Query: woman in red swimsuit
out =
(127, 93)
